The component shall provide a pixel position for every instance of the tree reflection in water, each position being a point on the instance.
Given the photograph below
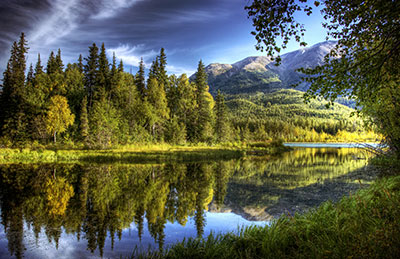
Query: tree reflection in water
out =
(100, 201)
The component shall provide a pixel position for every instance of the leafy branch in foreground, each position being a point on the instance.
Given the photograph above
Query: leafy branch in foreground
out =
(363, 65)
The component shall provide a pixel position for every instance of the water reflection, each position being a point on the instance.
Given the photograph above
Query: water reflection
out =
(96, 203)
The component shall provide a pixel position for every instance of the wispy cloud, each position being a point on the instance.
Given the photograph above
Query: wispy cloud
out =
(188, 16)
(65, 16)
(131, 55)
(180, 70)
(112, 7)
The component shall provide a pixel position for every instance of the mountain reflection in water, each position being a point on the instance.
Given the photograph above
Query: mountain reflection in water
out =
(51, 207)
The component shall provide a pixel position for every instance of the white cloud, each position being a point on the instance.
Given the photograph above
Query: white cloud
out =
(65, 16)
(180, 70)
(132, 55)
(62, 20)
(110, 8)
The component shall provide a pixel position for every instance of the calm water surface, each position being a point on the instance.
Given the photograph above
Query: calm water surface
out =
(106, 210)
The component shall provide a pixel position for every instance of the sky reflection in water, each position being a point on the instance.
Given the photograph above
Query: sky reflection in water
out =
(113, 208)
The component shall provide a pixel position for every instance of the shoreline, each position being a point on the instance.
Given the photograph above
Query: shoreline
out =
(138, 154)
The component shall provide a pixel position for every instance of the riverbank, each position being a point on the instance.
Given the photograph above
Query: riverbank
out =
(363, 225)
(138, 153)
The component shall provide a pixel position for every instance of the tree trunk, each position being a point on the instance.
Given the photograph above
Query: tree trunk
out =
(54, 135)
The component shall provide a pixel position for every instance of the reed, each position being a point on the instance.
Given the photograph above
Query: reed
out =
(363, 225)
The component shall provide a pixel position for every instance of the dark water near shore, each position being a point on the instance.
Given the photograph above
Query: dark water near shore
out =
(92, 211)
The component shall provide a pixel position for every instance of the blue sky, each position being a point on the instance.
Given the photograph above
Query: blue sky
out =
(189, 30)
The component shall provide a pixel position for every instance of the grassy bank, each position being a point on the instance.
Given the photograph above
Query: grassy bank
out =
(137, 153)
(364, 225)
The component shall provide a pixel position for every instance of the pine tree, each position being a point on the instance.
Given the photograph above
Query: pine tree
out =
(204, 105)
(114, 77)
(30, 75)
(104, 70)
(13, 120)
(58, 64)
(91, 70)
(84, 127)
(121, 66)
(154, 70)
(80, 63)
(140, 80)
(75, 89)
(55, 70)
(157, 99)
(221, 119)
(162, 69)
(38, 67)
(51, 64)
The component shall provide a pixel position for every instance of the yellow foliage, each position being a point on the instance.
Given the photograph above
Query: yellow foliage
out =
(59, 116)
(58, 193)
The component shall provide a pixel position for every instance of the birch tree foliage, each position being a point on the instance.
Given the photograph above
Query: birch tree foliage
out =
(59, 116)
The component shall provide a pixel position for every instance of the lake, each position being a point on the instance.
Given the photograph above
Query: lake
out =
(113, 210)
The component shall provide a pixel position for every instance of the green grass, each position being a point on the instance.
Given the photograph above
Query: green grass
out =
(138, 153)
(364, 225)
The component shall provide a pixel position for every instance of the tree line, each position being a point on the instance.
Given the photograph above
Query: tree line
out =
(96, 102)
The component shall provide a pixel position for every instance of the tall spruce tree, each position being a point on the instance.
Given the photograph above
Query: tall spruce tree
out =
(30, 75)
(91, 70)
(114, 77)
(221, 119)
(38, 67)
(104, 71)
(59, 66)
(121, 66)
(51, 64)
(80, 63)
(84, 127)
(157, 99)
(204, 105)
(13, 120)
(162, 70)
(140, 80)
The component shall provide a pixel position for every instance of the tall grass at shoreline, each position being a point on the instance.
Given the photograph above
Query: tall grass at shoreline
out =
(363, 225)
(137, 153)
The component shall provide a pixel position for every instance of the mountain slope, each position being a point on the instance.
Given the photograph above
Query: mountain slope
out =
(259, 73)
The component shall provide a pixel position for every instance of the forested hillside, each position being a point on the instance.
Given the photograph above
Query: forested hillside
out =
(95, 103)
(283, 114)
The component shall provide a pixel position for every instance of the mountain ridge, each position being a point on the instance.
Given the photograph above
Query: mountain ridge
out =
(260, 73)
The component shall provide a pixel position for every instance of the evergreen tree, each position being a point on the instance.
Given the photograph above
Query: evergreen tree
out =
(154, 69)
(51, 64)
(140, 80)
(181, 103)
(38, 67)
(13, 120)
(75, 89)
(162, 69)
(84, 127)
(80, 63)
(121, 66)
(157, 99)
(59, 66)
(114, 77)
(104, 70)
(204, 105)
(104, 123)
(29, 76)
(55, 70)
(221, 118)
(91, 70)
